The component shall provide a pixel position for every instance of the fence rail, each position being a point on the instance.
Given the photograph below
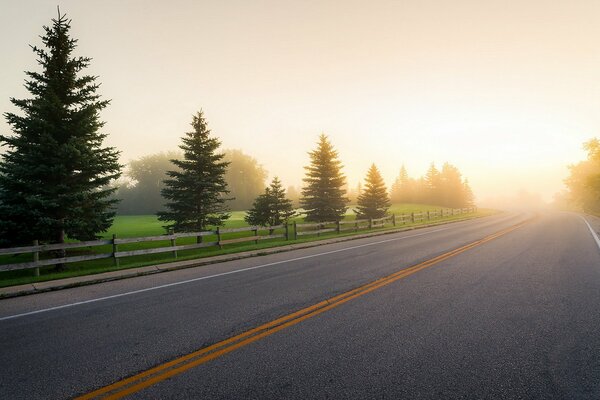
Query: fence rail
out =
(288, 233)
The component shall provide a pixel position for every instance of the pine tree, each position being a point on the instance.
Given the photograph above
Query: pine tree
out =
(396, 191)
(281, 207)
(373, 202)
(55, 174)
(403, 188)
(433, 187)
(196, 191)
(468, 196)
(271, 208)
(260, 212)
(323, 196)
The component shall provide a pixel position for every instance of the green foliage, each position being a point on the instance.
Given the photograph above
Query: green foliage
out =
(55, 174)
(323, 196)
(245, 179)
(584, 180)
(271, 208)
(196, 190)
(373, 202)
(147, 174)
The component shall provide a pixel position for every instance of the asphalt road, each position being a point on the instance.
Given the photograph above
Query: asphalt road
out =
(514, 317)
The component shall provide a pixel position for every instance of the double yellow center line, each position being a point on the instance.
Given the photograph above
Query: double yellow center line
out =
(179, 365)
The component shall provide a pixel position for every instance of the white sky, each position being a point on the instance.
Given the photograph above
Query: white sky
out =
(505, 90)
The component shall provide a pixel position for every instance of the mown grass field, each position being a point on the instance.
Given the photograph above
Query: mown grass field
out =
(147, 225)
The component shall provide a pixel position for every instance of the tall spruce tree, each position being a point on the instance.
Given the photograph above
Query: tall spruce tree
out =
(271, 208)
(373, 202)
(433, 186)
(323, 196)
(196, 193)
(403, 188)
(55, 173)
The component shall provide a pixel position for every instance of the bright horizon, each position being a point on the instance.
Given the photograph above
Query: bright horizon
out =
(507, 93)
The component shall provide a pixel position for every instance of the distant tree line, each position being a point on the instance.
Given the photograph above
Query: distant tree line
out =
(444, 188)
(584, 180)
(141, 193)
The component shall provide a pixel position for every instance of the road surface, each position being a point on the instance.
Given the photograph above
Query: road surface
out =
(513, 316)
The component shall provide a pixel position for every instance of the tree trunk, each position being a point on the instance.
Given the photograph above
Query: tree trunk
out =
(60, 253)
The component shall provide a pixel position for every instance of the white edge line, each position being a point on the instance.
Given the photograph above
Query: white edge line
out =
(594, 235)
(216, 275)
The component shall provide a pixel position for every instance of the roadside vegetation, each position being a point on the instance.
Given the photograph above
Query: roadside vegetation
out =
(583, 182)
(129, 226)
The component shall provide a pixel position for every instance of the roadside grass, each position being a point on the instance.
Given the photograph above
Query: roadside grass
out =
(148, 225)
(126, 226)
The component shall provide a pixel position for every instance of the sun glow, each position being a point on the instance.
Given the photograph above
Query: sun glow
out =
(506, 92)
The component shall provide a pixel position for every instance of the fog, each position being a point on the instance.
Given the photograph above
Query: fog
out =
(507, 92)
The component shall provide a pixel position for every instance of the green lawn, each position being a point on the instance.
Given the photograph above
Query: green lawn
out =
(148, 225)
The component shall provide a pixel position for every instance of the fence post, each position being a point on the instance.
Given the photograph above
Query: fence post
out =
(428, 216)
(219, 237)
(115, 249)
(295, 231)
(36, 258)
(287, 231)
(394, 219)
(255, 231)
(441, 213)
(412, 217)
(370, 223)
(173, 241)
(337, 227)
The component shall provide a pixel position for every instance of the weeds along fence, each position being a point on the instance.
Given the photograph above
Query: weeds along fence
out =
(118, 248)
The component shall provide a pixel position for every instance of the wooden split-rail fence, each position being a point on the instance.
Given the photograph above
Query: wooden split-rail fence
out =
(219, 237)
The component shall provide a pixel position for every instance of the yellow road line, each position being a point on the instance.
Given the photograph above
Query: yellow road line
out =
(174, 367)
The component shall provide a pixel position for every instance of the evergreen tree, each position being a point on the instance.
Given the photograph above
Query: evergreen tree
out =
(323, 197)
(396, 191)
(55, 174)
(373, 202)
(452, 187)
(468, 196)
(260, 212)
(196, 191)
(271, 208)
(403, 188)
(432, 189)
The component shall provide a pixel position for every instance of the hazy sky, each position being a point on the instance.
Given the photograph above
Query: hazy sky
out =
(505, 90)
